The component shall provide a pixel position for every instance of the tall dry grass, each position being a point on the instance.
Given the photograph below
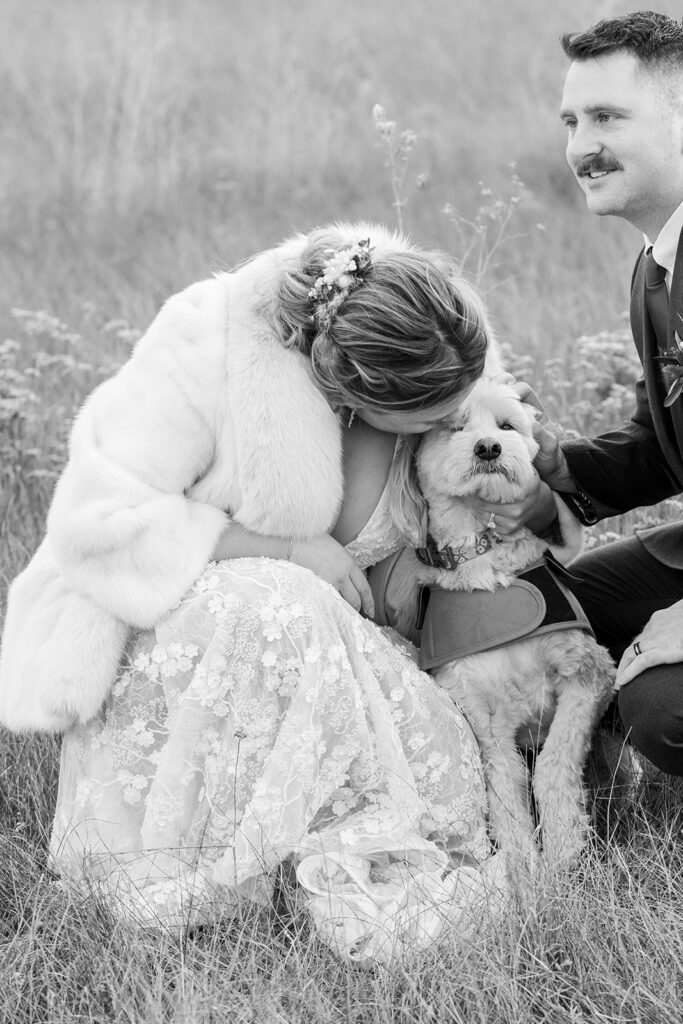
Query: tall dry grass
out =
(144, 143)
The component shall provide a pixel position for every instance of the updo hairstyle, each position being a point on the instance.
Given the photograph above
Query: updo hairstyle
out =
(413, 334)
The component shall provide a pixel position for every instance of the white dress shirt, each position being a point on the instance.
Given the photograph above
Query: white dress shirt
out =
(666, 244)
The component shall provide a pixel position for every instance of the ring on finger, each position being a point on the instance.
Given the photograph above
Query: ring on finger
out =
(637, 649)
(491, 525)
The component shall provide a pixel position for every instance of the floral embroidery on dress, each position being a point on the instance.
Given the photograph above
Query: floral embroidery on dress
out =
(264, 718)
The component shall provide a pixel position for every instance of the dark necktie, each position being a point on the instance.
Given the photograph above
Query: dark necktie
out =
(657, 299)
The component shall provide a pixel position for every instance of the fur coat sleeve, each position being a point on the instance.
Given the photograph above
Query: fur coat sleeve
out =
(212, 416)
(122, 527)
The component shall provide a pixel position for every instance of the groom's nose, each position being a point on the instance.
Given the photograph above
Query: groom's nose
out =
(582, 143)
(486, 448)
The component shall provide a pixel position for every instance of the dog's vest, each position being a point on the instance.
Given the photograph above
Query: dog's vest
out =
(454, 623)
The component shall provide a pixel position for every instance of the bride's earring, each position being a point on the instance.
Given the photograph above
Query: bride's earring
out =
(351, 417)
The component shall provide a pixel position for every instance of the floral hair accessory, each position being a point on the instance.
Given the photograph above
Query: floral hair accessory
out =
(342, 273)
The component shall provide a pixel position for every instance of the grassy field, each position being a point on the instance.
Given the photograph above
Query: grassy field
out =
(145, 143)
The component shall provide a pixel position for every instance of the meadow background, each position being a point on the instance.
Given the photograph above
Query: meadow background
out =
(145, 144)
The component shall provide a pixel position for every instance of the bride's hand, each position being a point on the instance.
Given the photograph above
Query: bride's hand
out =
(328, 559)
(324, 555)
(536, 510)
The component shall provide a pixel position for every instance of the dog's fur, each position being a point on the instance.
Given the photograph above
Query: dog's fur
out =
(559, 681)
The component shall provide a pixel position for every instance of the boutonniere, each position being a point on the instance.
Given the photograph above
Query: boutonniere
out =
(672, 369)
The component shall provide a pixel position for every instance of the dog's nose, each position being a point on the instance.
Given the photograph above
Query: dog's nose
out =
(486, 448)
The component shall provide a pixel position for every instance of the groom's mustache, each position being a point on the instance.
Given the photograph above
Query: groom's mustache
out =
(596, 164)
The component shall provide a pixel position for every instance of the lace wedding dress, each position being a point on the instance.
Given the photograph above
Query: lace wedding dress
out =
(262, 719)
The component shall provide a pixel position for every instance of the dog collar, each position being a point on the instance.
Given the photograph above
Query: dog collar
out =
(451, 558)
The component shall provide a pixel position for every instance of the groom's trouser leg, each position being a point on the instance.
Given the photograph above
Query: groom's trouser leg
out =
(620, 586)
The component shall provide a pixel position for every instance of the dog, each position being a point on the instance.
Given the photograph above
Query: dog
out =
(552, 682)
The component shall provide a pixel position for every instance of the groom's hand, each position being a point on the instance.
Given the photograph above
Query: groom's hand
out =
(660, 643)
(550, 463)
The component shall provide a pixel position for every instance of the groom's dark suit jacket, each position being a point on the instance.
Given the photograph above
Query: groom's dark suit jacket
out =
(641, 462)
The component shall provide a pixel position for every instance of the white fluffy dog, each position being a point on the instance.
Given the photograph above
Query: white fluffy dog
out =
(556, 679)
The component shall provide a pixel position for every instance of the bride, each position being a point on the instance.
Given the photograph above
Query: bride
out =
(199, 624)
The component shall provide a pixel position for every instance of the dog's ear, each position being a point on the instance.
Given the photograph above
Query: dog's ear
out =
(408, 507)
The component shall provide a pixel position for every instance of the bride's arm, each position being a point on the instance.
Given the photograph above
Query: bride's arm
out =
(368, 454)
(122, 528)
(323, 555)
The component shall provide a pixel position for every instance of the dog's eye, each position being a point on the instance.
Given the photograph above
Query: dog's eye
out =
(453, 429)
(506, 426)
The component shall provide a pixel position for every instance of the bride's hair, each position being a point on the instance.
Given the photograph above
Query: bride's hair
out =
(413, 334)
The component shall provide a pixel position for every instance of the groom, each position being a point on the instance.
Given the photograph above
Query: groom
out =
(622, 106)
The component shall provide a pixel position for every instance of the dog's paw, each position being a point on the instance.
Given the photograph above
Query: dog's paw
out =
(565, 841)
(517, 840)
(525, 864)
